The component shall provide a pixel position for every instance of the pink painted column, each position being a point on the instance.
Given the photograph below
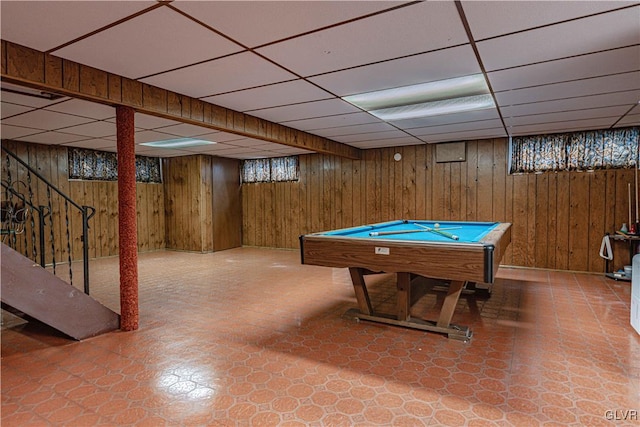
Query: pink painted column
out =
(127, 226)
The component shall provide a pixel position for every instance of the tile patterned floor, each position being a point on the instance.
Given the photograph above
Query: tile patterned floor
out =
(251, 337)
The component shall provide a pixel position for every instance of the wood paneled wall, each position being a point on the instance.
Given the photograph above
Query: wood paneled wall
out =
(51, 161)
(202, 203)
(558, 219)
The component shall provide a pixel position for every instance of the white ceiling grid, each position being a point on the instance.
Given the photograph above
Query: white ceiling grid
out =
(552, 66)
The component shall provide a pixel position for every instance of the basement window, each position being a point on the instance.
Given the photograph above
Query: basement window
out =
(276, 169)
(94, 165)
(579, 151)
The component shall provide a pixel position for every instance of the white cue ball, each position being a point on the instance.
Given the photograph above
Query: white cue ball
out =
(436, 225)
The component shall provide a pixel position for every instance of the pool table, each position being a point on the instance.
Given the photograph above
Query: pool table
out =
(457, 252)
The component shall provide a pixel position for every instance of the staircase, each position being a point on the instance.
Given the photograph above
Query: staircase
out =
(44, 233)
(34, 291)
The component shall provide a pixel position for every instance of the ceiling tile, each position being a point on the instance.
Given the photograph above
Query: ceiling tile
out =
(442, 64)
(220, 76)
(456, 127)
(52, 138)
(445, 119)
(353, 129)
(269, 96)
(349, 139)
(94, 144)
(583, 114)
(160, 152)
(215, 148)
(82, 108)
(46, 27)
(46, 120)
(628, 98)
(145, 121)
(332, 121)
(568, 126)
(597, 64)
(393, 142)
(492, 18)
(254, 23)
(601, 32)
(347, 46)
(629, 120)
(185, 130)
(305, 110)
(591, 86)
(96, 129)
(14, 132)
(156, 41)
(8, 110)
(466, 136)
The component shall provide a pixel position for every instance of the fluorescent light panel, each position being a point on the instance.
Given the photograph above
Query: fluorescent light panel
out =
(177, 143)
(455, 95)
(435, 108)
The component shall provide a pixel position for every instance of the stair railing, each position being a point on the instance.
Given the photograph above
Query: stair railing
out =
(18, 207)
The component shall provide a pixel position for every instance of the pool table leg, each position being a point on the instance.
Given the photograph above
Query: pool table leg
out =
(403, 285)
(450, 301)
(362, 296)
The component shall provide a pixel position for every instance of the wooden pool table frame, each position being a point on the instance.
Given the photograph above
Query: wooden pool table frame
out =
(453, 261)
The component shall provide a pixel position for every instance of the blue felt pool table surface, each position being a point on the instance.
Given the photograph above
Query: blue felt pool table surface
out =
(468, 232)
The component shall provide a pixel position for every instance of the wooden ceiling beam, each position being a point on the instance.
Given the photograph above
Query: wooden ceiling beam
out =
(29, 67)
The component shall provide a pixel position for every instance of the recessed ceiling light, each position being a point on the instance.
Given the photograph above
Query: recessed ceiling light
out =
(415, 94)
(435, 108)
(177, 143)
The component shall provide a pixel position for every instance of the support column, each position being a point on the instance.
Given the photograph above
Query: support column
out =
(127, 226)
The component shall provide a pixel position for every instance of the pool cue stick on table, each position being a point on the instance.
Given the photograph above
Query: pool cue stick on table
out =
(438, 231)
(389, 233)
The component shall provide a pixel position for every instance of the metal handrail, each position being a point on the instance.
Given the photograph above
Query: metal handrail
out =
(87, 213)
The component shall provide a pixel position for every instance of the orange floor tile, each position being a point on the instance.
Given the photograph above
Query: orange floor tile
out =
(251, 337)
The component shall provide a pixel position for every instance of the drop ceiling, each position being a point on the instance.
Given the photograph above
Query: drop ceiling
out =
(551, 66)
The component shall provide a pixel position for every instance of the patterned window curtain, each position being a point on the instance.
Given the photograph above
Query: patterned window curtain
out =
(284, 169)
(92, 165)
(582, 151)
(256, 170)
(270, 170)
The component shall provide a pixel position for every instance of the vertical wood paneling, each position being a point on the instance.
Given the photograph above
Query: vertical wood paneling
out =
(579, 221)
(485, 180)
(562, 221)
(421, 182)
(541, 220)
(438, 191)
(387, 183)
(372, 185)
(499, 181)
(227, 204)
(552, 220)
(531, 221)
(456, 191)
(597, 215)
(409, 184)
(558, 218)
(520, 220)
(52, 163)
